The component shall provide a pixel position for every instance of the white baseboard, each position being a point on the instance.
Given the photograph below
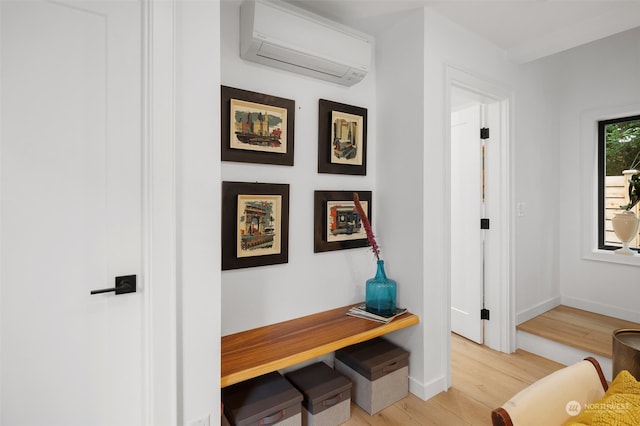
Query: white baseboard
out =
(558, 352)
(536, 310)
(428, 390)
(601, 308)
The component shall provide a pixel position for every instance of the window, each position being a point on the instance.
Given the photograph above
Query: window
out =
(618, 150)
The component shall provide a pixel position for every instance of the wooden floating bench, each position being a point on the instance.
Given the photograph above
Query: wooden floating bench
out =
(258, 351)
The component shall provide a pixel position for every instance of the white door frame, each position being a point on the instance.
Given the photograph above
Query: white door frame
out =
(500, 329)
(159, 213)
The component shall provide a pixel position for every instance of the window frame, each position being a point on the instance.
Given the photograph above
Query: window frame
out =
(602, 161)
(588, 146)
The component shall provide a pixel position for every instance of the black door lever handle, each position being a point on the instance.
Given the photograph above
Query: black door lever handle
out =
(124, 284)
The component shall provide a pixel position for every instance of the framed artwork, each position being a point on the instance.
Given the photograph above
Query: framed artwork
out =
(342, 139)
(256, 128)
(336, 223)
(255, 224)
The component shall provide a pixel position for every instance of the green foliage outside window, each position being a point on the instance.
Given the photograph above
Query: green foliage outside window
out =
(622, 146)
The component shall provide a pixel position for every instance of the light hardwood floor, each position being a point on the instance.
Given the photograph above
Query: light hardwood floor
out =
(482, 380)
(580, 329)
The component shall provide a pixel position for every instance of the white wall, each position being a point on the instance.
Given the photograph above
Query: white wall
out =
(553, 94)
(535, 175)
(596, 76)
(309, 282)
(411, 95)
(400, 181)
(197, 63)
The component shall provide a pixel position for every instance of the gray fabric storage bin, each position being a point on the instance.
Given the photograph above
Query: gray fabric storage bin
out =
(379, 371)
(266, 400)
(326, 393)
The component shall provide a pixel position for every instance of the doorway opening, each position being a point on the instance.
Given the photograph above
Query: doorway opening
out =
(480, 276)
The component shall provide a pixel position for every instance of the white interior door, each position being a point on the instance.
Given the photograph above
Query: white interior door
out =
(71, 213)
(466, 235)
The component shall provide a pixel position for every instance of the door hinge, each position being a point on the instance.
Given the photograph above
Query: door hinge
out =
(484, 314)
(484, 133)
(484, 223)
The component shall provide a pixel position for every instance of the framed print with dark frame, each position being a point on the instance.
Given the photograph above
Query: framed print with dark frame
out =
(255, 224)
(256, 128)
(336, 224)
(342, 138)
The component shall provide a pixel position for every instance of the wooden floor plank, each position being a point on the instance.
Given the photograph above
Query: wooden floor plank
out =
(463, 406)
(577, 328)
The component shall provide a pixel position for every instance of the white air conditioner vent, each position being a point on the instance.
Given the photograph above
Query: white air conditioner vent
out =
(280, 35)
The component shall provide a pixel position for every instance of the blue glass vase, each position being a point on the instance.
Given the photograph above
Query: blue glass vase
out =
(380, 293)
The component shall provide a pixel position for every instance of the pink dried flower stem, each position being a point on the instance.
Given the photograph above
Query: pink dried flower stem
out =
(367, 226)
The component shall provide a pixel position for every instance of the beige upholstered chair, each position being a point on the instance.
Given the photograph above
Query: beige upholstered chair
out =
(549, 401)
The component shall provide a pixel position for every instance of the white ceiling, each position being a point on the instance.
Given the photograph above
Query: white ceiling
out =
(525, 29)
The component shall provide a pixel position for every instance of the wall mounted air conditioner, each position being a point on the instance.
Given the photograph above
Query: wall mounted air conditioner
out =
(280, 35)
